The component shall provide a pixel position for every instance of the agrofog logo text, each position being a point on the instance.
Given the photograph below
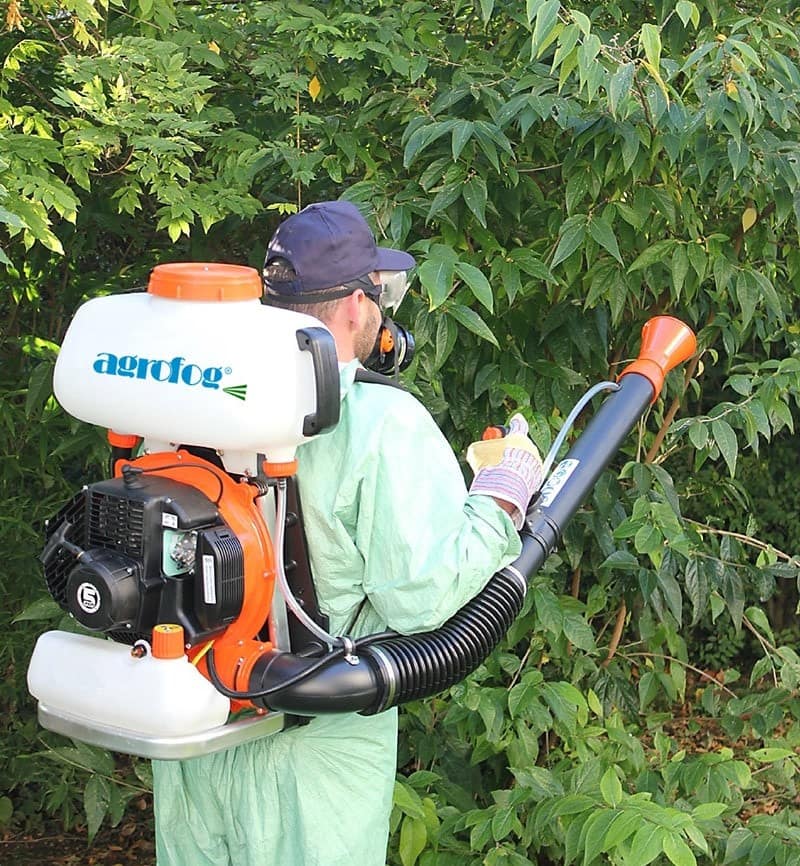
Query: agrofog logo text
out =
(177, 371)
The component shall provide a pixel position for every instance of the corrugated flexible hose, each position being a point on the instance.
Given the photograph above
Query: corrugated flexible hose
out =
(389, 670)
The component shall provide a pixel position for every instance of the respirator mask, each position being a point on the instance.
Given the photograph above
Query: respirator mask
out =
(394, 345)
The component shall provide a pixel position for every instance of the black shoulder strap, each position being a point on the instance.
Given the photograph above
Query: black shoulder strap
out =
(373, 378)
(296, 558)
(298, 574)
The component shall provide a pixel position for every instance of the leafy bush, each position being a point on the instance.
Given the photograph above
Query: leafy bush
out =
(563, 171)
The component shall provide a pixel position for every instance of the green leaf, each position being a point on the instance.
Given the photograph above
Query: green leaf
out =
(424, 137)
(571, 236)
(647, 844)
(621, 560)
(578, 632)
(6, 811)
(698, 434)
(524, 694)
(648, 539)
(696, 582)
(474, 194)
(472, 322)
(449, 193)
(738, 155)
(544, 29)
(601, 232)
(595, 833)
(446, 336)
(747, 294)
(611, 787)
(650, 40)
(759, 619)
(760, 669)
(41, 609)
(436, 276)
(413, 838)
(40, 388)
(583, 21)
(462, 132)
(680, 268)
(771, 754)
(655, 254)
(688, 11)
(594, 703)
(678, 852)
(96, 797)
(665, 481)
(503, 822)
(541, 782)
(671, 591)
(623, 826)
(771, 298)
(738, 845)
(11, 219)
(619, 86)
(407, 800)
(548, 610)
(726, 442)
(487, 7)
(708, 811)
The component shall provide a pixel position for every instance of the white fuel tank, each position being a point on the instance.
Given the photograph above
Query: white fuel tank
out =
(197, 359)
(100, 682)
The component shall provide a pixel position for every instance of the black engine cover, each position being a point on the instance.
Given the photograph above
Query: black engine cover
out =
(128, 553)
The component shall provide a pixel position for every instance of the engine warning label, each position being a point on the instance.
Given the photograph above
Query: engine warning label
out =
(209, 580)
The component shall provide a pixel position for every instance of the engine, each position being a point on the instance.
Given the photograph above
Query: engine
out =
(141, 549)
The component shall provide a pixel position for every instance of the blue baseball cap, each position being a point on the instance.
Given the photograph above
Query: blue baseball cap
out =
(329, 244)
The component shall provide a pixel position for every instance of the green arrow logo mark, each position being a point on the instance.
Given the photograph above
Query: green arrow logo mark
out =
(238, 391)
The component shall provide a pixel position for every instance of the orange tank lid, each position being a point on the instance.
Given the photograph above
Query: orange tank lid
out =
(122, 440)
(167, 641)
(204, 281)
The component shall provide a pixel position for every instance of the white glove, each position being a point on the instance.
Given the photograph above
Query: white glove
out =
(509, 469)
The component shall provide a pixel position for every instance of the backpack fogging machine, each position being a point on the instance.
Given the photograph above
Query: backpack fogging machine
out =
(206, 394)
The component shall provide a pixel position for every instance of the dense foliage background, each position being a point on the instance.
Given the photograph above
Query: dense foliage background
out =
(563, 171)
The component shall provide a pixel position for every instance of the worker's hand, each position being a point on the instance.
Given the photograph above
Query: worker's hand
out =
(508, 469)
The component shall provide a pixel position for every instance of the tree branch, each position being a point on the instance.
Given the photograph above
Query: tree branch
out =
(616, 635)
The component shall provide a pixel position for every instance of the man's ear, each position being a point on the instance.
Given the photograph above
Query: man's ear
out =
(351, 306)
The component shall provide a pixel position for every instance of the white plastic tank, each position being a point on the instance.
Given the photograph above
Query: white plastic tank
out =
(197, 359)
(100, 682)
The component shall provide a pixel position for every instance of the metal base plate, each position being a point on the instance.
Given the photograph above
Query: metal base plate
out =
(162, 748)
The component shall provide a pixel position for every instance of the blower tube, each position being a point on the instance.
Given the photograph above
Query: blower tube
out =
(387, 671)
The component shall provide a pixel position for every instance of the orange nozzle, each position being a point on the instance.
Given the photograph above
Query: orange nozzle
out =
(666, 342)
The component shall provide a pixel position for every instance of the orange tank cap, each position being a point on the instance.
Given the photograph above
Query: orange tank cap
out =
(279, 470)
(122, 440)
(205, 281)
(167, 641)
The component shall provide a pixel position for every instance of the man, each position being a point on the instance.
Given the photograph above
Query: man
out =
(395, 541)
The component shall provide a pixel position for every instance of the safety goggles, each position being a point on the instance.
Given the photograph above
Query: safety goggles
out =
(389, 293)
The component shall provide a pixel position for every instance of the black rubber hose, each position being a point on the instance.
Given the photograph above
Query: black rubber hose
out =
(404, 668)
(397, 669)
(446, 656)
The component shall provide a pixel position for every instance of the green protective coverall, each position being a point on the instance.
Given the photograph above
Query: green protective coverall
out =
(387, 515)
